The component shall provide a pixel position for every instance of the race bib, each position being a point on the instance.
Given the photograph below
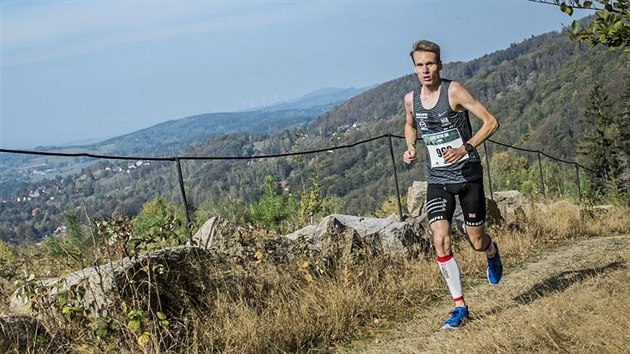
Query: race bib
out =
(438, 143)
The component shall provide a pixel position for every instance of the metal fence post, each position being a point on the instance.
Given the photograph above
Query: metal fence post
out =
(577, 174)
(542, 180)
(485, 149)
(391, 151)
(181, 187)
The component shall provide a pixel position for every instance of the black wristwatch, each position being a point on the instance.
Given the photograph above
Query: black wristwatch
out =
(469, 147)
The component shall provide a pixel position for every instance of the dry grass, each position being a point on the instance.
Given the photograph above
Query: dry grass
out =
(578, 308)
(318, 314)
(564, 291)
(274, 308)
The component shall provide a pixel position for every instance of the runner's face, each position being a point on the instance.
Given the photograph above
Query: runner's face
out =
(427, 68)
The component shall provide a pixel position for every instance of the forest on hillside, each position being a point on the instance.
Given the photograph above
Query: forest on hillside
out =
(539, 90)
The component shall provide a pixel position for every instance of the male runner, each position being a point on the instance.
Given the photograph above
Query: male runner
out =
(440, 107)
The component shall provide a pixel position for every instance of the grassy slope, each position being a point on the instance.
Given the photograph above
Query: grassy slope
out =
(567, 299)
(564, 287)
(564, 290)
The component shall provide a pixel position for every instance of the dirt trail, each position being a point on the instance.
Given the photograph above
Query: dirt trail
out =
(562, 272)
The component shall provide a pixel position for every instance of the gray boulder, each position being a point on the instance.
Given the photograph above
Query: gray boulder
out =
(221, 235)
(417, 198)
(493, 212)
(337, 236)
(510, 203)
(95, 289)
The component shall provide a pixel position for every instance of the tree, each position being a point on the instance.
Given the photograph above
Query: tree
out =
(596, 148)
(75, 243)
(622, 140)
(610, 27)
(623, 120)
(311, 202)
(273, 208)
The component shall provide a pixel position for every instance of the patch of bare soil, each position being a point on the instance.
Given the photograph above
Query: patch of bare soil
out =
(569, 299)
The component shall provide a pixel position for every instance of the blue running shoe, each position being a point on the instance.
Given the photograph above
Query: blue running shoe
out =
(458, 315)
(495, 268)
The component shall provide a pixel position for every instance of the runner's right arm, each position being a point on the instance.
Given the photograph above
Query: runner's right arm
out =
(411, 131)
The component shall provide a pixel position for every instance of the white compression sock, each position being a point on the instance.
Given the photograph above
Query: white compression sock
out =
(452, 275)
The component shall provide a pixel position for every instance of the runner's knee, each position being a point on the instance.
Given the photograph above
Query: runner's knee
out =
(441, 237)
(480, 243)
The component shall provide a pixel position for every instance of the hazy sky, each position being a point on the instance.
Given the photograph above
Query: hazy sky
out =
(78, 70)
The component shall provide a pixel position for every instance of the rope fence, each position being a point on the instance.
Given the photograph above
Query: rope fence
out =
(177, 160)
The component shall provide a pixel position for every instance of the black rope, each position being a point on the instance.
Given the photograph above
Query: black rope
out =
(99, 156)
(176, 158)
(529, 150)
(112, 157)
(85, 154)
(543, 153)
(285, 154)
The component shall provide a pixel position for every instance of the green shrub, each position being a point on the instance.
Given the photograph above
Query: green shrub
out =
(74, 244)
(274, 208)
(158, 225)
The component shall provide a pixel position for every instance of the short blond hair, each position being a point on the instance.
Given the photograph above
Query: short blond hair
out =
(425, 46)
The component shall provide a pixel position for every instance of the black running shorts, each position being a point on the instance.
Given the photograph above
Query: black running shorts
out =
(441, 202)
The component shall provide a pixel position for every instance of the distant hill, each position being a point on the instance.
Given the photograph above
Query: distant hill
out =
(324, 97)
(171, 137)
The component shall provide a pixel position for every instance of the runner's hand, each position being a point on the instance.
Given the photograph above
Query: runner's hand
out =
(455, 154)
(409, 156)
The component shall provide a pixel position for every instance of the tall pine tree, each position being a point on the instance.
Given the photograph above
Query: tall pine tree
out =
(605, 147)
(622, 141)
(595, 147)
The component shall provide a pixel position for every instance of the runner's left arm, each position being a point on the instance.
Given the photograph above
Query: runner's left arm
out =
(461, 99)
